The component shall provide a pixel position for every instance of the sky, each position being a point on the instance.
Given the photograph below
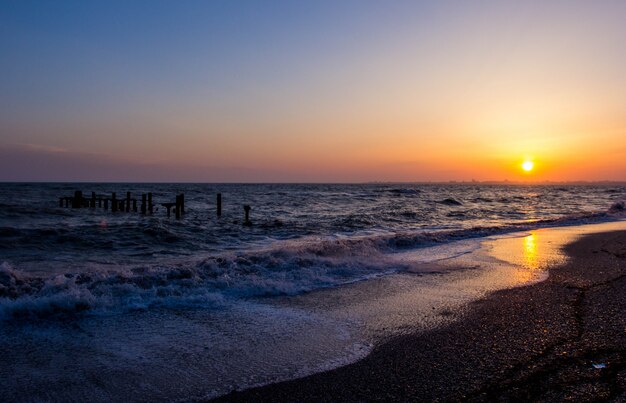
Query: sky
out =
(312, 91)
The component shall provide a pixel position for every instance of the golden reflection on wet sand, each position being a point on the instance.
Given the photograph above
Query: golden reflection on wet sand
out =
(409, 300)
(532, 253)
(529, 255)
(530, 250)
(530, 259)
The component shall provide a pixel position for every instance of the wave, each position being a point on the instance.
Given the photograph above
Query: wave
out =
(281, 271)
(617, 207)
(288, 268)
(450, 202)
(404, 191)
(482, 200)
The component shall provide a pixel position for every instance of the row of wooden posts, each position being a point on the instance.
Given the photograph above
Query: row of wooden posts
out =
(129, 203)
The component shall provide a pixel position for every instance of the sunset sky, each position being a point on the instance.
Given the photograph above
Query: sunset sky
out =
(312, 91)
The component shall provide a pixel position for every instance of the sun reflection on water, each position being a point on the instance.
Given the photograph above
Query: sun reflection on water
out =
(529, 258)
(525, 257)
(530, 251)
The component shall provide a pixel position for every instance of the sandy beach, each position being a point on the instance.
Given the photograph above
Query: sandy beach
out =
(560, 339)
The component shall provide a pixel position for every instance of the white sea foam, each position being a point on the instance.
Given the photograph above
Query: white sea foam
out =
(285, 268)
(163, 354)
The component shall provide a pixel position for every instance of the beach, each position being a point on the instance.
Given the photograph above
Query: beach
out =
(559, 339)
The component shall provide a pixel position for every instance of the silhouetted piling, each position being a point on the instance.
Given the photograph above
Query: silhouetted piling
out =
(78, 199)
(247, 221)
(124, 204)
(178, 208)
(168, 206)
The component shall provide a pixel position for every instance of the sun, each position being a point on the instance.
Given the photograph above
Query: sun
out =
(528, 166)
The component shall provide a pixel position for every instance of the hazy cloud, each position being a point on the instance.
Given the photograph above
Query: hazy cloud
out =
(33, 162)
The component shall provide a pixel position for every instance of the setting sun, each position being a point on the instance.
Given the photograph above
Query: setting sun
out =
(528, 166)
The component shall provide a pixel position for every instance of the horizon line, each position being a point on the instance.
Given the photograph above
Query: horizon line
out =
(448, 182)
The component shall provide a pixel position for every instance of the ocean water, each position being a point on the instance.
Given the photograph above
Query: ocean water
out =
(149, 300)
(303, 237)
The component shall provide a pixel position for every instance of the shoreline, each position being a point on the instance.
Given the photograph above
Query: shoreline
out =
(539, 341)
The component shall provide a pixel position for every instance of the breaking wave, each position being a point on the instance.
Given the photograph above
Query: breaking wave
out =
(287, 268)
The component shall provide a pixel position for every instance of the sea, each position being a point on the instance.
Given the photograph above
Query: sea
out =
(103, 305)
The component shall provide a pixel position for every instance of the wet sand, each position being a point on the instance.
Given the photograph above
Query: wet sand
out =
(560, 339)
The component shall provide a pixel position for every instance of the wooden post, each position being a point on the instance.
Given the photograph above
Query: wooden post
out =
(246, 221)
(93, 200)
(113, 203)
(178, 206)
(143, 203)
(67, 201)
(219, 204)
(169, 206)
(127, 202)
(78, 199)
(100, 201)
(150, 202)
(182, 203)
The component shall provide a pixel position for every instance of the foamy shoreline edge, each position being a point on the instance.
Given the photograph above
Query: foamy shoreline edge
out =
(272, 391)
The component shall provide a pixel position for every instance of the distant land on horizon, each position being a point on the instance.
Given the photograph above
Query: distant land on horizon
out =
(450, 182)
